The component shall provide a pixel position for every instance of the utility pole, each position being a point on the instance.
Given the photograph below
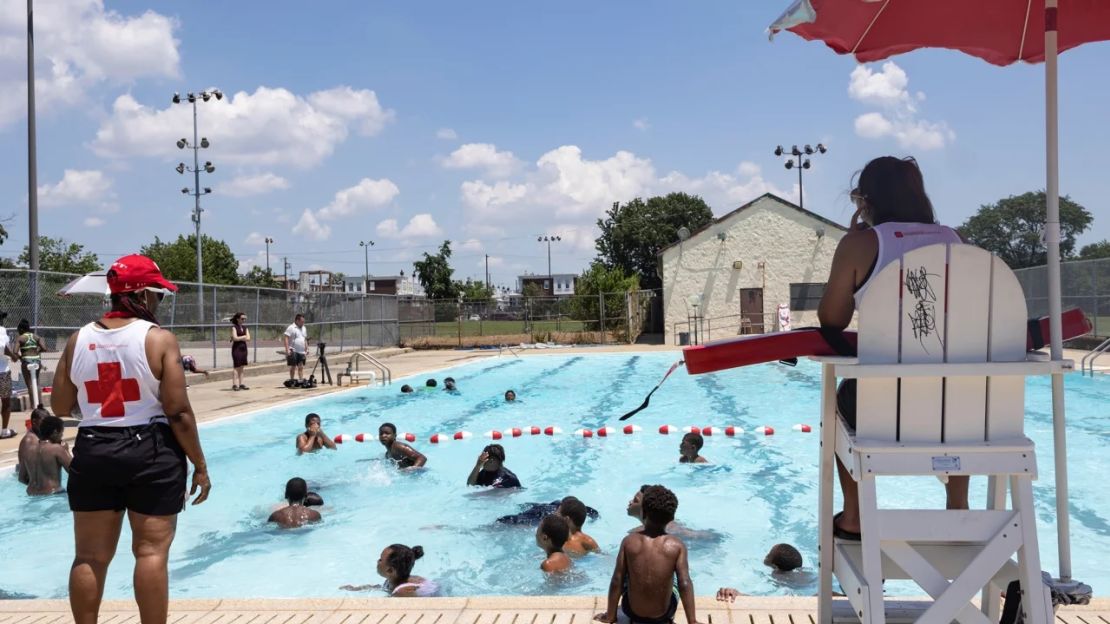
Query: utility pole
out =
(487, 272)
(285, 272)
(366, 245)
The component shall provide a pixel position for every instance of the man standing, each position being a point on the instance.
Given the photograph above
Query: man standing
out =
(296, 347)
(5, 380)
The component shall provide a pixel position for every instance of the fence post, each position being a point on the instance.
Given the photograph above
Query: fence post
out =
(362, 323)
(1094, 291)
(257, 308)
(381, 319)
(213, 326)
(628, 304)
(601, 313)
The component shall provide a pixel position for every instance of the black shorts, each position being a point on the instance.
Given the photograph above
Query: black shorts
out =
(846, 401)
(141, 469)
(295, 359)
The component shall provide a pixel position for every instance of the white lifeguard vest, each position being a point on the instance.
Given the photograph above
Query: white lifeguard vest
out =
(895, 239)
(115, 386)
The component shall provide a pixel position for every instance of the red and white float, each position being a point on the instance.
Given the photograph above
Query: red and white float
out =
(802, 428)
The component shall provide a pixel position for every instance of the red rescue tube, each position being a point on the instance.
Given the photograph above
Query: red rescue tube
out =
(759, 349)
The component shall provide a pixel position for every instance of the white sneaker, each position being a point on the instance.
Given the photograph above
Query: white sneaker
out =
(7, 433)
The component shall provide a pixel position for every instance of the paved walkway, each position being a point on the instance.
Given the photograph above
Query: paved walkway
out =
(481, 610)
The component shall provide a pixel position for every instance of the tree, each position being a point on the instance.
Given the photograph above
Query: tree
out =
(178, 260)
(474, 291)
(1012, 228)
(602, 280)
(259, 276)
(1093, 251)
(632, 235)
(533, 290)
(435, 274)
(57, 255)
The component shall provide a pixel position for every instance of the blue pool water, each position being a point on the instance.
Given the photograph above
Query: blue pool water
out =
(758, 491)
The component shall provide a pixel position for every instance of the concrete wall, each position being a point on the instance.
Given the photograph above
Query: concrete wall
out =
(782, 238)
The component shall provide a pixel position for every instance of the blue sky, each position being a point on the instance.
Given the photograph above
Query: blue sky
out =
(491, 123)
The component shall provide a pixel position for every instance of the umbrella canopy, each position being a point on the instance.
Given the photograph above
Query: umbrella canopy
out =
(91, 284)
(1000, 32)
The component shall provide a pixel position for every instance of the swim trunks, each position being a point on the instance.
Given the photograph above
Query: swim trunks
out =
(637, 619)
(137, 468)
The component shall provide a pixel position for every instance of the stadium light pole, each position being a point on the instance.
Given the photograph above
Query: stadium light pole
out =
(32, 169)
(549, 240)
(196, 146)
(799, 159)
(269, 241)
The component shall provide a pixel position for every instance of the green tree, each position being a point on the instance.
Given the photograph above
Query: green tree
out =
(57, 255)
(632, 235)
(434, 273)
(3, 234)
(533, 290)
(1012, 228)
(178, 260)
(259, 276)
(1093, 251)
(599, 279)
(474, 291)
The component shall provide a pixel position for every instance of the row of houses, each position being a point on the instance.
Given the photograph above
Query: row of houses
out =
(558, 285)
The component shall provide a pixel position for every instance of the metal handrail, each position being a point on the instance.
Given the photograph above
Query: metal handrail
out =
(387, 374)
(1089, 359)
(504, 346)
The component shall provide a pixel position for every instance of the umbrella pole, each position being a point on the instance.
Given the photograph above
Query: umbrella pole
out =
(1052, 238)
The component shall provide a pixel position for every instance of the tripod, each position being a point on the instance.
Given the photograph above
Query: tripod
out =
(322, 362)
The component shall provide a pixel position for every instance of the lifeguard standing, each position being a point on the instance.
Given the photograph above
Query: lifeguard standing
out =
(138, 429)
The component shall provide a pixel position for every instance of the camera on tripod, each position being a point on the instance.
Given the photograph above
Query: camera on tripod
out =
(320, 349)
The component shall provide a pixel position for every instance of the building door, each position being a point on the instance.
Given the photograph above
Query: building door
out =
(751, 311)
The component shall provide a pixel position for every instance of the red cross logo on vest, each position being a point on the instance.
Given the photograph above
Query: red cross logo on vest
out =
(111, 391)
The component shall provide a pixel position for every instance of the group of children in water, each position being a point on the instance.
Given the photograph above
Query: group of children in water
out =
(651, 575)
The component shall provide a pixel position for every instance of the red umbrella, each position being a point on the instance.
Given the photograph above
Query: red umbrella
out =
(1000, 32)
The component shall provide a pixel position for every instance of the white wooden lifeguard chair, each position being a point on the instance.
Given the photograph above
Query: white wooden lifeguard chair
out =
(941, 373)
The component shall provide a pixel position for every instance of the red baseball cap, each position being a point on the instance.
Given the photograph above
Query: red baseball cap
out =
(136, 272)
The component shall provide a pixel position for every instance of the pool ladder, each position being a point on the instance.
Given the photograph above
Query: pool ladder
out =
(1087, 364)
(504, 347)
(354, 373)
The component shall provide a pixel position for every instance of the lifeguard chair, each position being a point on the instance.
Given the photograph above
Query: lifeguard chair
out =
(941, 373)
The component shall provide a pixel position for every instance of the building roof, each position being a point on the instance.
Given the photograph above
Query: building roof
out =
(772, 196)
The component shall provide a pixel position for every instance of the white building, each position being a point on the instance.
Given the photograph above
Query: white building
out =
(732, 274)
(557, 285)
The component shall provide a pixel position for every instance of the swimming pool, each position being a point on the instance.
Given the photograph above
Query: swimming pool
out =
(760, 490)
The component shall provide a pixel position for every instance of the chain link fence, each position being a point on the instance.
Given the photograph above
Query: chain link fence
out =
(605, 318)
(1084, 284)
(200, 317)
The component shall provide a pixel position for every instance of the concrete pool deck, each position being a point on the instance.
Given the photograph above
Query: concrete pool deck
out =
(214, 400)
(478, 610)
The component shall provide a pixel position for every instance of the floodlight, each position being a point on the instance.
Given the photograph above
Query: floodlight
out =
(778, 150)
(185, 191)
(180, 168)
(789, 164)
(204, 142)
(176, 98)
(181, 143)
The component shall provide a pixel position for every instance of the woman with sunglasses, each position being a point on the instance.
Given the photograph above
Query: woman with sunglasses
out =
(138, 429)
(893, 216)
(240, 336)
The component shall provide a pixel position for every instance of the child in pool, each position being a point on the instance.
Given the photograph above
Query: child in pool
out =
(395, 566)
(551, 536)
(782, 558)
(578, 543)
(690, 447)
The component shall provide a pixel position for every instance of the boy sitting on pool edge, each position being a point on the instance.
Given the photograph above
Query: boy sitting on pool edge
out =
(652, 571)
(551, 536)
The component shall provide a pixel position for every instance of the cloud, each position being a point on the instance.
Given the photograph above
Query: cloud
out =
(310, 228)
(483, 156)
(641, 124)
(726, 190)
(93, 222)
(576, 186)
(80, 187)
(272, 126)
(419, 226)
(447, 134)
(80, 45)
(365, 195)
(472, 245)
(898, 117)
(495, 262)
(488, 199)
(255, 238)
(250, 185)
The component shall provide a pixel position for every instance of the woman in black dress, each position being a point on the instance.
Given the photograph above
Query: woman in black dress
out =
(240, 335)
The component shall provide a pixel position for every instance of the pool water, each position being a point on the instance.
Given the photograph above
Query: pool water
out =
(758, 490)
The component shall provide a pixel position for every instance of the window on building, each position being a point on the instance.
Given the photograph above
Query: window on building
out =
(373, 285)
(806, 295)
(547, 284)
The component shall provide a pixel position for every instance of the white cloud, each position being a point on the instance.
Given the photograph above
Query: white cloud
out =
(256, 239)
(257, 260)
(725, 191)
(483, 156)
(641, 124)
(82, 187)
(472, 245)
(92, 222)
(495, 262)
(250, 185)
(489, 199)
(898, 119)
(79, 45)
(447, 134)
(576, 186)
(310, 228)
(419, 226)
(271, 126)
(365, 195)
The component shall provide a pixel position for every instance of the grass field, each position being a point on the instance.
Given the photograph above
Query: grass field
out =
(496, 328)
